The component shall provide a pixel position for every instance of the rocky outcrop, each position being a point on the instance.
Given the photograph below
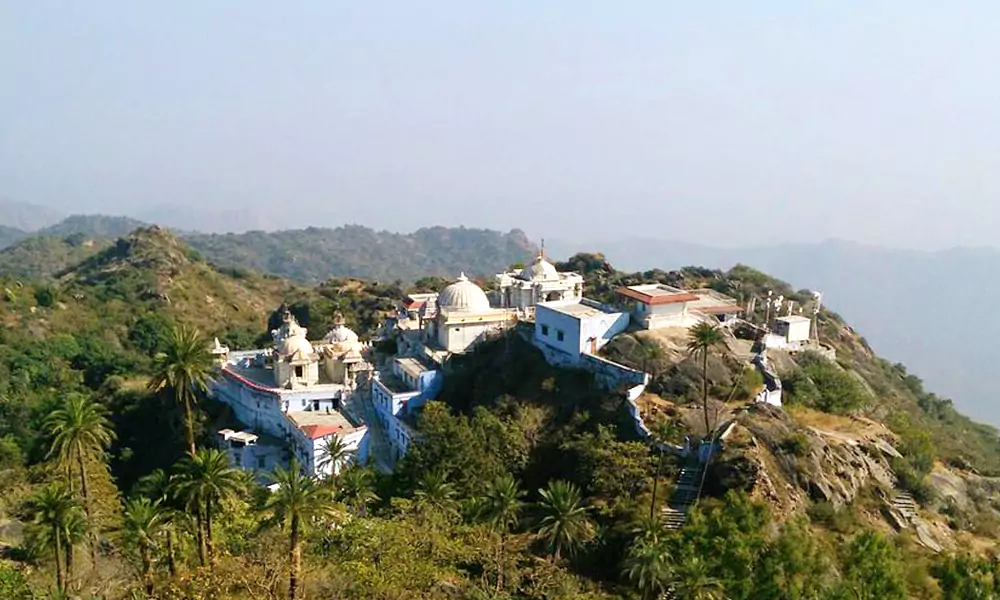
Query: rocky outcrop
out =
(825, 466)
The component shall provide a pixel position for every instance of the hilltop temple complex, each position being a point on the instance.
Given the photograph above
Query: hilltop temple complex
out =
(296, 398)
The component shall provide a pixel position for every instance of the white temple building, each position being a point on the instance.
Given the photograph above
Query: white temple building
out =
(463, 317)
(523, 289)
(291, 400)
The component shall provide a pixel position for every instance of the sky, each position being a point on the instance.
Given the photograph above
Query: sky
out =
(728, 123)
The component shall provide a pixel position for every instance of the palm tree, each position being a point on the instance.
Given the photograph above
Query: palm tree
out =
(692, 581)
(156, 487)
(356, 489)
(703, 338)
(143, 522)
(650, 353)
(203, 481)
(501, 509)
(434, 492)
(648, 566)
(80, 432)
(565, 524)
(186, 368)
(296, 500)
(54, 511)
(333, 454)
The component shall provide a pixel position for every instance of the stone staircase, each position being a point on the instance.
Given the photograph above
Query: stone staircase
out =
(905, 504)
(684, 496)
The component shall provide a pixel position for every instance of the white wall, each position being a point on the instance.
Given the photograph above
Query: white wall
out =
(458, 337)
(602, 328)
(548, 324)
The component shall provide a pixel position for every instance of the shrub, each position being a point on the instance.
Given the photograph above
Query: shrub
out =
(45, 297)
(840, 520)
(796, 444)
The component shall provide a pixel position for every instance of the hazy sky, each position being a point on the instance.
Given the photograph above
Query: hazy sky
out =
(746, 122)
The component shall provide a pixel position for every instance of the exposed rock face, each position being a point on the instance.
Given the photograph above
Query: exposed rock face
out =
(826, 466)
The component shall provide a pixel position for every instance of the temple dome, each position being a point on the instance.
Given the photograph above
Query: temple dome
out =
(463, 295)
(541, 269)
(293, 345)
(340, 334)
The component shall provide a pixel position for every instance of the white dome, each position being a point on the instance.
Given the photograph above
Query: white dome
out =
(340, 334)
(295, 345)
(541, 269)
(463, 295)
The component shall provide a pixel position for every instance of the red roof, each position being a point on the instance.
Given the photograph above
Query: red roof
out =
(415, 304)
(663, 297)
(315, 432)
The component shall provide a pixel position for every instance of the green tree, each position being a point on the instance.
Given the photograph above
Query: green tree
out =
(203, 481)
(435, 493)
(501, 509)
(703, 338)
(293, 504)
(648, 566)
(872, 569)
(143, 522)
(186, 368)
(333, 454)
(357, 489)
(80, 432)
(564, 524)
(965, 577)
(53, 511)
(692, 580)
(156, 487)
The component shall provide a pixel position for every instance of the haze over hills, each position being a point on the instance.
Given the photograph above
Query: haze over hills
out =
(924, 309)
(25, 216)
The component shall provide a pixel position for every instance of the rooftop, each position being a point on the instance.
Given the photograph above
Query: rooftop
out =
(713, 302)
(414, 365)
(657, 293)
(793, 319)
(319, 423)
(580, 310)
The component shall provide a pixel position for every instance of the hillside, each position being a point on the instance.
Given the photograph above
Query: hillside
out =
(92, 226)
(793, 503)
(10, 235)
(889, 294)
(46, 256)
(315, 254)
(309, 256)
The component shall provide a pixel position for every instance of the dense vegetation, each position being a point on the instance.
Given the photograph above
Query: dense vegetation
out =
(527, 481)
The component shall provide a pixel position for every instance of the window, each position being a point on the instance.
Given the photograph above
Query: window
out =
(545, 330)
(261, 462)
(298, 371)
(560, 335)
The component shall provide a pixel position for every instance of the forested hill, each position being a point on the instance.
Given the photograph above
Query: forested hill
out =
(309, 256)
(524, 481)
(315, 254)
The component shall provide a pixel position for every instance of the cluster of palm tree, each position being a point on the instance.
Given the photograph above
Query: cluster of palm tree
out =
(81, 434)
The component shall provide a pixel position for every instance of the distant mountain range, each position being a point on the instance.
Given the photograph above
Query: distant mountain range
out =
(25, 217)
(306, 255)
(931, 311)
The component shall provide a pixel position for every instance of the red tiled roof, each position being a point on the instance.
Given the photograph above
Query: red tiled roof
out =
(415, 304)
(662, 298)
(315, 432)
